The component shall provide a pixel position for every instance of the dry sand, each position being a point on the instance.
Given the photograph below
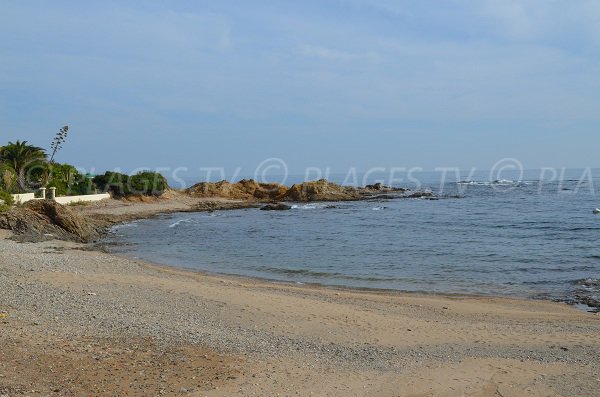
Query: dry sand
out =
(77, 322)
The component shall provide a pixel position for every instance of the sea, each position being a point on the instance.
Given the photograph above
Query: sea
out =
(531, 236)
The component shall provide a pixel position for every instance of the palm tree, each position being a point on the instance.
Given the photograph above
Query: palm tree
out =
(20, 156)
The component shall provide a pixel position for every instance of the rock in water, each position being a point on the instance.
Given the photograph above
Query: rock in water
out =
(420, 195)
(276, 207)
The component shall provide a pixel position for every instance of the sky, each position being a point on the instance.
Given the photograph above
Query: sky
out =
(315, 83)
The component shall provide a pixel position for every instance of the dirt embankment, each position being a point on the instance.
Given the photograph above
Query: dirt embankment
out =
(47, 220)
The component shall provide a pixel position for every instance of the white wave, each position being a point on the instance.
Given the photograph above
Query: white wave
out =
(496, 182)
(116, 228)
(311, 206)
(474, 183)
(377, 208)
(186, 220)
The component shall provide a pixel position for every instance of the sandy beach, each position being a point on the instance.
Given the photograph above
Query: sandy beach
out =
(79, 322)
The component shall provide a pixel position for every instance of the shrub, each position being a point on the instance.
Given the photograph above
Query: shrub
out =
(6, 200)
(113, 182)
(146, 183)
(68, 181)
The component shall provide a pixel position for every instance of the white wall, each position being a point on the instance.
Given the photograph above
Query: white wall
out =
(23, 198)
(78, 199)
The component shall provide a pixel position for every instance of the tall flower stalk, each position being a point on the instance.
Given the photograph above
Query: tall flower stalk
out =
(57, 142)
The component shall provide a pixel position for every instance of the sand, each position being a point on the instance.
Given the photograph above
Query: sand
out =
(77, 322)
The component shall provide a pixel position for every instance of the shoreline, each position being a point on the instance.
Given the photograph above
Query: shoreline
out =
(226, 204)
(334, 287)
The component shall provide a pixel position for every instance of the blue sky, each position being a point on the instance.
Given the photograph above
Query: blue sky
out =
(347, 83)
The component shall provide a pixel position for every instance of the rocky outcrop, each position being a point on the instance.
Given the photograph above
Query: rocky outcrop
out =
(42, 220)
(321, 190)
(246, 189)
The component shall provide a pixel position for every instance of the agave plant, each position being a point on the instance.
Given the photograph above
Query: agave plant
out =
(19, 157)
(58, 141)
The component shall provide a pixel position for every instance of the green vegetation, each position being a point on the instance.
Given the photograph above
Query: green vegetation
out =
(25, 168)
(6, 201)
(148, 183)
(20, 159)
(143, 183)
(113, 182)
(8, 178)
(68, 181)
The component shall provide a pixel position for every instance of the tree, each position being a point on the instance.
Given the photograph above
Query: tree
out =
(68, 180)
(20, 156)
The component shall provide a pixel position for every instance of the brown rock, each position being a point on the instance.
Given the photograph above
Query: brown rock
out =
(246, 189)
(321, 190)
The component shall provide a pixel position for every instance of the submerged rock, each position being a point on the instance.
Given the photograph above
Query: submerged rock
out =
(381, 197)
(420, 195)
(592, 303)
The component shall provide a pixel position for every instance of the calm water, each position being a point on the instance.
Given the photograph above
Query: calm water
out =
(525, 238)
